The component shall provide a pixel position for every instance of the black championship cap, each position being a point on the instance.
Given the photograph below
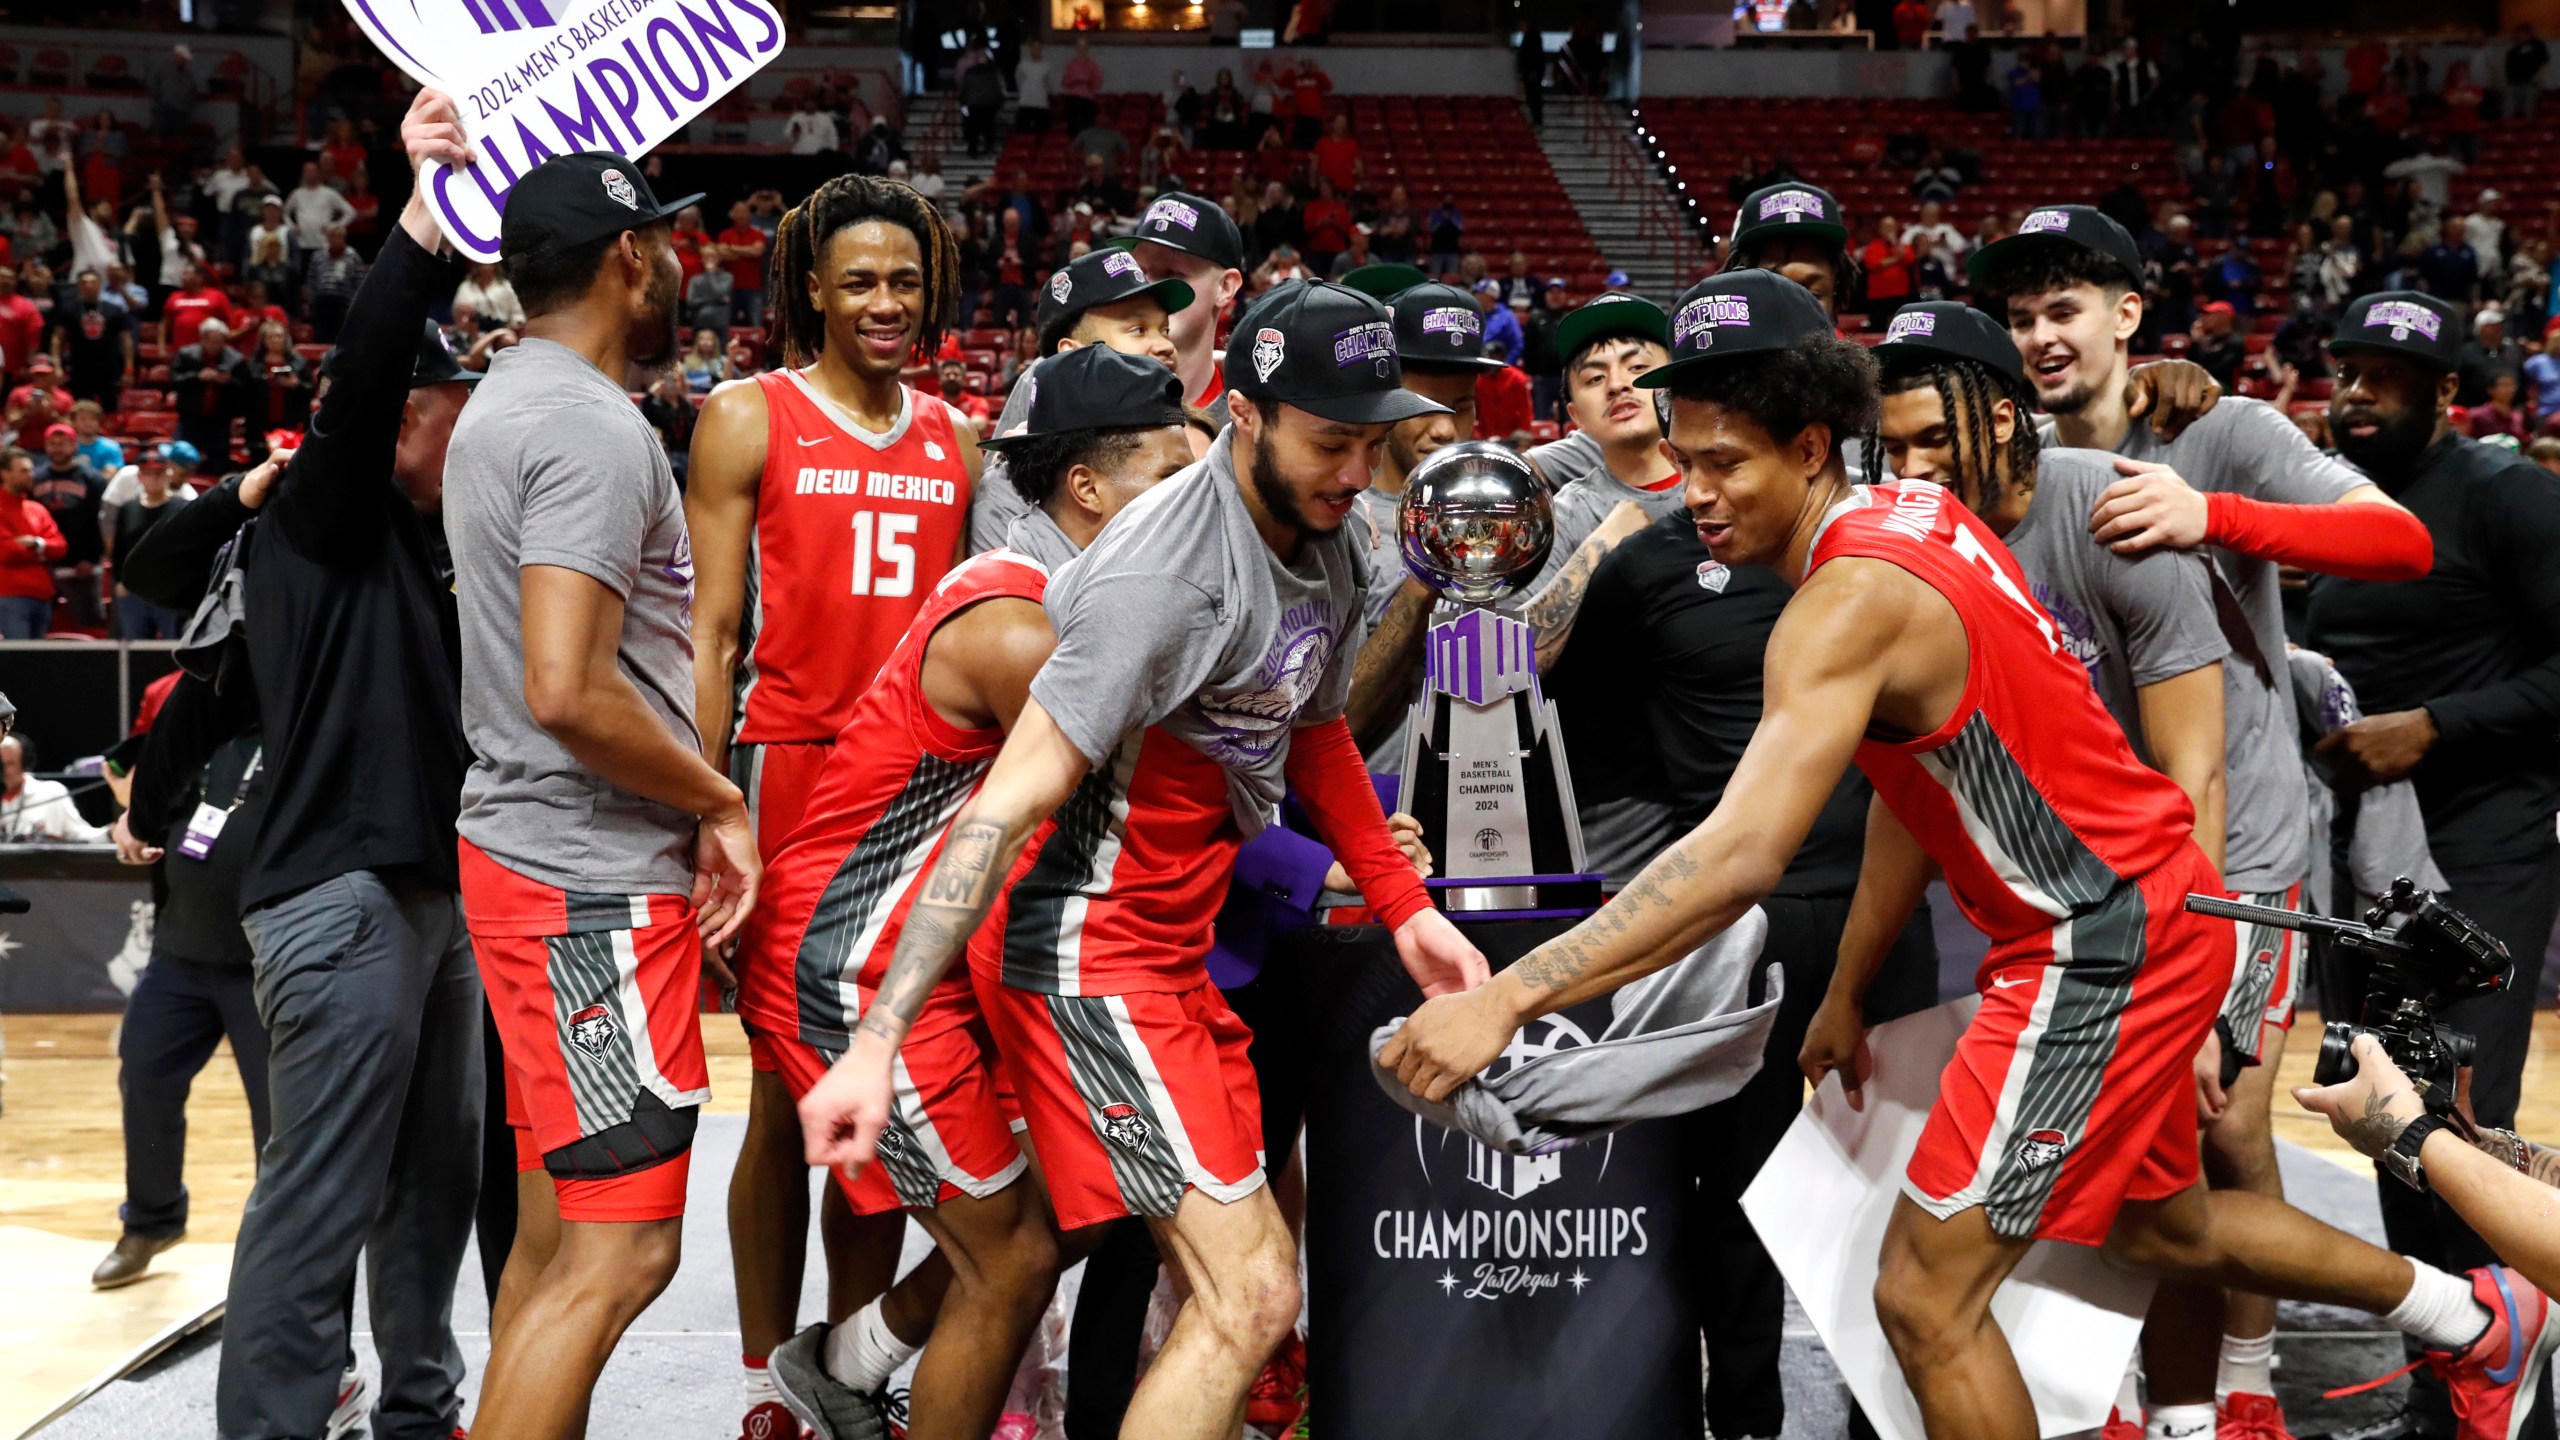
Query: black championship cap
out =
(1950, 330)
(1100, 277)
(1384, 280)
(1608, 315)
(1192, 224)
(2404, 322)
(2079, 225)
(1095, 387)
(436, 363)
(1327, 350)
(1740, 312)
(569, 200)
(1803, 212)
(1440, 325)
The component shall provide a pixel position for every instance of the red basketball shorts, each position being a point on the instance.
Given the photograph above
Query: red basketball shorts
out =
(2266, 975)
(2073, 1089)
(1130, 1100)
(776, 780)
(947, 1134)
(594, 997)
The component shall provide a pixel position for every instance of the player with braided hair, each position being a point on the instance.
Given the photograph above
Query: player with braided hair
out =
(826, 500)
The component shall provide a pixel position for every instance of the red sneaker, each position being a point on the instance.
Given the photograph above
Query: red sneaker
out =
(771, 1420)
(2494, 1382)
(2119, 1428)
(2250, 1417)
(1278, 1392)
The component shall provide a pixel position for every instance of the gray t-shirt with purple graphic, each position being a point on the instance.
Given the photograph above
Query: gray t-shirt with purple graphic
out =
(2131, 620)
(1180, 616)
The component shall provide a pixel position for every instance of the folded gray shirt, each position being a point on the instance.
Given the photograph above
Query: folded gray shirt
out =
(1678, 1040)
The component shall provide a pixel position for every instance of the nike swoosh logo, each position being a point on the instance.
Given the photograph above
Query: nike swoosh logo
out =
(2012, 984)
(806, 441)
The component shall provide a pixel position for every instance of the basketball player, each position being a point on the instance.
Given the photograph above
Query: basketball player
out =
(1202, 657)
(826, 499)
(1192, 238)
(1911, 647)
(1106, 427)
(2069, 283)
(595, 839)
(1099, 298)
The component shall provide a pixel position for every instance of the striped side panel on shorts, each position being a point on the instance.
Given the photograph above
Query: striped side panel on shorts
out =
(1128, 1113)
(2253, 975)
(598, 1025)
(1044, 916)
(2013, 826)
(590, 913)
(2061, 1060)
(846, 923)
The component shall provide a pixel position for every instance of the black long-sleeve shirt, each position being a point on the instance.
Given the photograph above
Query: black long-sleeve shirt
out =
(2476, 644)
(352, 635)
(201, 746)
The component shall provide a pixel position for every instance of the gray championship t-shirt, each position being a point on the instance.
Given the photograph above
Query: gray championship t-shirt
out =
(551, 464)
(1179, 615)
(2132, 620)
(1585, 494)
(2249, 448)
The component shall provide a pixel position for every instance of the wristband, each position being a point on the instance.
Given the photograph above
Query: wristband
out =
(2402, 1158)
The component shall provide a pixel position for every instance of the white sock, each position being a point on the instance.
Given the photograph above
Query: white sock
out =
(2439, 1310)
(2247, 1366)
(2129, 1395)
(760, 1389)
(863, 1353)
(2179, 1422)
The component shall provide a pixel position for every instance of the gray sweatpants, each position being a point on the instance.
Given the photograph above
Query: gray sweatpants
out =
(373, 1003)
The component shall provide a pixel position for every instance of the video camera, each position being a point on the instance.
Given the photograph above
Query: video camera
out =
(2423, 955)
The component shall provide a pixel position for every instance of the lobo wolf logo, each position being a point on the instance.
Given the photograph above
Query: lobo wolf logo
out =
(1124, 1126)
(1269, 347)
(592, 1029)
(617, 185)
(2040, 1148)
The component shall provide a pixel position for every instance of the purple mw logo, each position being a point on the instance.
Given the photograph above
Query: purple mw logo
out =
(1481, 656)
(493, 16)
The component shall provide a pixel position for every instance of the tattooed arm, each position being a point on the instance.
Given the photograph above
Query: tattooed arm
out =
(1384, 675)
(2517, 1213)
(842, 1115)
(1827, 666)
(1551, 612)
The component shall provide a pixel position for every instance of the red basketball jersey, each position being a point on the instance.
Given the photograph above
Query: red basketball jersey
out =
(852, 532)
(2028, 795)
(837, 892)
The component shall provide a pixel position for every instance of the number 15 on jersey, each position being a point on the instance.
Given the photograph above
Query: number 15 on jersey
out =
(884, 559)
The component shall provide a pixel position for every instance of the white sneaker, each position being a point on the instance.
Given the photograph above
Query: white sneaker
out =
(355, 1399)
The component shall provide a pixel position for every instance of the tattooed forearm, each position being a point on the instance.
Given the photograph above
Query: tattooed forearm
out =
(1382, 677)
(1550, 613)
(2372, 1132)
(957, 896)
(1603, 941)
(2512, 1150)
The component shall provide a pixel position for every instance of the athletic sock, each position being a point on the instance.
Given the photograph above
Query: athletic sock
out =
(2179, 1422)
(863, 1353)
(760, 1389)
(2439, 1310)
(2248, 1366)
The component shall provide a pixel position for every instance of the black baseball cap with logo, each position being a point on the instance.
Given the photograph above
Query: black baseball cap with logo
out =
(1949, 330)
(1192, 224)
(2404, 322)
(1798, 210)
(1740, 312)
(1100, 277)
(1328, 350)
(1442, 326)
(2078, 226)
(569, 200)
(1095, 387)
(1609, 315)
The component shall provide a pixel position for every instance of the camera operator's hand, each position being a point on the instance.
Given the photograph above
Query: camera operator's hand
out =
(2371, 1110)
(2379, 749)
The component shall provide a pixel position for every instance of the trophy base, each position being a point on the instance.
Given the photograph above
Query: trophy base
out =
(1517, 897)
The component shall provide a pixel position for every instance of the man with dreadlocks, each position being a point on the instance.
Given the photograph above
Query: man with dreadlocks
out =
(826, 499)
(2251, 492)
(1911, 648)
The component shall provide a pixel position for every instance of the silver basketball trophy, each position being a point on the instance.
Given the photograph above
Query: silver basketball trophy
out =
(1484, 763)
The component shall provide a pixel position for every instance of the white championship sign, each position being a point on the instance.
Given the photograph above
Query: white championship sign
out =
(536, 78)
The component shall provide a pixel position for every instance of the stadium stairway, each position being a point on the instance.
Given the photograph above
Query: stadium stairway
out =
(1621, 197)
(933, 127)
